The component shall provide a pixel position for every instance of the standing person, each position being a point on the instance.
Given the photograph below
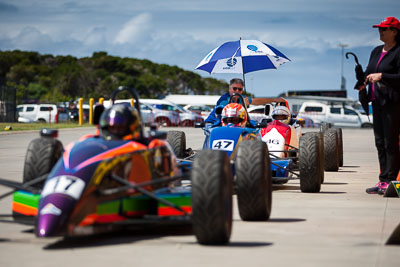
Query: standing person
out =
(383, 79)
(235, 86)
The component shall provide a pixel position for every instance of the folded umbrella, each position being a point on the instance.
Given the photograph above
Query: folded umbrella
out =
(360, 84)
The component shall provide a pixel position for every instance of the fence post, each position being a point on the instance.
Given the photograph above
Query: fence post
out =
(101, 100)
(91, 101)
(80, 111)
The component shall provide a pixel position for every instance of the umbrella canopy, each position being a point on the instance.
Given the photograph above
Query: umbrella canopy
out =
(242, 56)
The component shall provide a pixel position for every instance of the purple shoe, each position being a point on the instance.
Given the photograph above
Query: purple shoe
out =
(382, 188)
(376, 188)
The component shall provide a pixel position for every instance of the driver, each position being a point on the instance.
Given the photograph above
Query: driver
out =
(121, 121)
(234, 114)
(236, 85)
(282, 114)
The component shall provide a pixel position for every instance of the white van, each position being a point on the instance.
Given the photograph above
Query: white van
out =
(37, 113)
(337, 115)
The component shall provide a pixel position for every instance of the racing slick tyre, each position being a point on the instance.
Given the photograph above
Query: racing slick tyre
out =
(321, 169)
(212, 189)
(325, 126)
(41, 156)
(177, 140)
(253, 181)
(310, 163)
(331, 150)
(340, 146)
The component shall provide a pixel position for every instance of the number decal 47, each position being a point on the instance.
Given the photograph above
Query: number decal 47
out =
(223, 144)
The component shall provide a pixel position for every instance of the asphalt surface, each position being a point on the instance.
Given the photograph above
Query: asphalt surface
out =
(340, 226)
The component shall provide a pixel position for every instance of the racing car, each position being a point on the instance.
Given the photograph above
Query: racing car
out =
(118, 176)
(283, 139)
(247, 145)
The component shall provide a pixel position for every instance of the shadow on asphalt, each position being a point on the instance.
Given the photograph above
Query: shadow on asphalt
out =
(277, 187)
(333, 183)
(332, 192)
(349, 166)
(249, 244)
(286, 220)
(120, 237)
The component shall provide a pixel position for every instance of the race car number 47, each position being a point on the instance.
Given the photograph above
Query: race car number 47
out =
(223, 144)
(65, 184)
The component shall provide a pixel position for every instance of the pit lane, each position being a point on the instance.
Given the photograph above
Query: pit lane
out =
(340, 226)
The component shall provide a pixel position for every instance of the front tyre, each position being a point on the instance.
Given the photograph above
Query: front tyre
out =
(253, 181)
(309, 164)
(177, 140)
(212, 188)
(41, 156)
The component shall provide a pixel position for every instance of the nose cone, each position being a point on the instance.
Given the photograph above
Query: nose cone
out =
(53, 214)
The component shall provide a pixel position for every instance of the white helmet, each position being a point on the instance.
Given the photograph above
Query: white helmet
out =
(282, 114)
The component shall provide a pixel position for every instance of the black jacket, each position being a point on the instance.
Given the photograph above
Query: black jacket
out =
(388, 89)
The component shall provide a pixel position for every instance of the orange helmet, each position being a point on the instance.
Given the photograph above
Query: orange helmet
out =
(235, 114)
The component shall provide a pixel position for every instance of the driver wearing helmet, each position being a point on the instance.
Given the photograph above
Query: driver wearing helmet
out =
(282, 114)
(234, 114)
(121, 121)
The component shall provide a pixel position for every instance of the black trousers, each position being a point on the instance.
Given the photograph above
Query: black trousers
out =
(386, 131)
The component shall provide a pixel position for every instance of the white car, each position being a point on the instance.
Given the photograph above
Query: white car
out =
(337, 115)
(187, 118)
(37, 113)
(202, 110)
(257, 112)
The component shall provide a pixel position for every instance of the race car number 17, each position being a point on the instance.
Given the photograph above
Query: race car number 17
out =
(64, 184)
(223, 144)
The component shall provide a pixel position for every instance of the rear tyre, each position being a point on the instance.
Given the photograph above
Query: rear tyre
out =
(310, 163)
(41, 156)
(253, 181)
(212, 188)
(177, 140)
(340, 145)
(331, 150)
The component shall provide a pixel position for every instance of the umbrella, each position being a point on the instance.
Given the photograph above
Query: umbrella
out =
(360, 84)
(242, 56)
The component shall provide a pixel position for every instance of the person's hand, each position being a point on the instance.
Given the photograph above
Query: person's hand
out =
(246, 100)
(374, 77)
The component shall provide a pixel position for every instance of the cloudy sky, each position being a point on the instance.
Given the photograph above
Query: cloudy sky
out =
(182, 32)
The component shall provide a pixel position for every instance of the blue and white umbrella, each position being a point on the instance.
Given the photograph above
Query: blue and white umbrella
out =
(242, 56)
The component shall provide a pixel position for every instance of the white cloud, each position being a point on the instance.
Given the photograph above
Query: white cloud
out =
(134, 29)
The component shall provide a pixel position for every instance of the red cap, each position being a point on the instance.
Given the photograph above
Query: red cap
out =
(388, 22)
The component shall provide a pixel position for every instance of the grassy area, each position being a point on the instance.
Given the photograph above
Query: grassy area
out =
(37, 126)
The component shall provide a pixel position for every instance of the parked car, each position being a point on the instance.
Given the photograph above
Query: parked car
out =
(202, 110)
(37, 113)
(257, 112)
(152, 114)
(337, 115)
(187, 118)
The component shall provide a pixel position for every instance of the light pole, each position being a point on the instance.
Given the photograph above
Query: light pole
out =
(343, 80)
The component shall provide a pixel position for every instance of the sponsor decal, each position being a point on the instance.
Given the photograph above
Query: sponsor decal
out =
(252, 48)
(231, 62)
(50, 209)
